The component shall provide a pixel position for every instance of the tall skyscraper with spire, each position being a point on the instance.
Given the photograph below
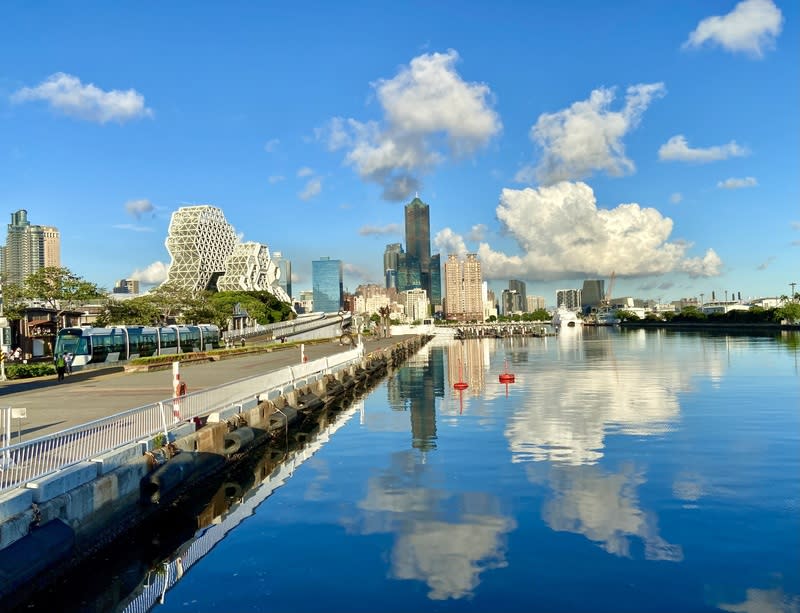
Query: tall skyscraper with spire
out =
(417, 268)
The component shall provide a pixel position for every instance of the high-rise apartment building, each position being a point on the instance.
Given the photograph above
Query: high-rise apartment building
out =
(29, 248)
(285, 268)
(463, 288)
(519, 287)
(390, 264)
(327, 283)
(512, 302)
(535, 303)
(569, 298)
(126, 286)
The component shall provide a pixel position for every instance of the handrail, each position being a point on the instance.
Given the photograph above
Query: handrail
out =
(34, 459)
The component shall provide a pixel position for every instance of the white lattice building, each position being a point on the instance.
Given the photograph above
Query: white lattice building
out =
(205, 252)
(250, 268)
(199, 241)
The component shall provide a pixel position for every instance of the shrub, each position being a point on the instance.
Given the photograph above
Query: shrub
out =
(26, 371)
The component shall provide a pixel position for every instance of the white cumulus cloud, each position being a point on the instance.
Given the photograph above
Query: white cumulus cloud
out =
(429, 112)
(751, 27)
(154, 274)
(736, 183)
(305, 171)
(676, 198)
(587, 136)
(312, 188)
(450, 243)
(677, 149)
(137, 208)
(66, 93)
(561, 233)
(392, 228)
(275, 179)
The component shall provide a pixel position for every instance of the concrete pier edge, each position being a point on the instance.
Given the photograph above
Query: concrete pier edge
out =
(90, 498)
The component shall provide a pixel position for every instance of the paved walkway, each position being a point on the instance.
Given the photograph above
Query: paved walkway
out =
(83, 397)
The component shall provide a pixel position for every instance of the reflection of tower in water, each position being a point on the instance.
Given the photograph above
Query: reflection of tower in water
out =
(415, 389)
(468, 353)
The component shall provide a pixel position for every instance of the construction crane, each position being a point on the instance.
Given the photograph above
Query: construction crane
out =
(607, 297)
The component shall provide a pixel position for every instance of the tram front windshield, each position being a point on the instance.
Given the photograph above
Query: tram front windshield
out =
(72, 342)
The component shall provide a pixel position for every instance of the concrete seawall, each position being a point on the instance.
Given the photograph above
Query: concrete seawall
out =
(55, 522)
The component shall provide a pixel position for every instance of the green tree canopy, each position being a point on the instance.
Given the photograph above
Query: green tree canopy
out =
(59, 289)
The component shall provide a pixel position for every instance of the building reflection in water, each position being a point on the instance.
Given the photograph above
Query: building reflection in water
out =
(415, 388)
(444, 538)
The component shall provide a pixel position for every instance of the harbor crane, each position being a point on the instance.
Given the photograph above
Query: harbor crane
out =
(607, 297)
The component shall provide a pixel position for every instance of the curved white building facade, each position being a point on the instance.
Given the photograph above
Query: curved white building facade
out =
(199, 242)
(250, 268)
(206, 253)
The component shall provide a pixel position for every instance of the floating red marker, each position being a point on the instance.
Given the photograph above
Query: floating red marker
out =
(505, 376)
(460, 384)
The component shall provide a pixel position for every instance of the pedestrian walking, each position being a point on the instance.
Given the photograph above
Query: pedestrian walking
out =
(61, 366)
(68, 362)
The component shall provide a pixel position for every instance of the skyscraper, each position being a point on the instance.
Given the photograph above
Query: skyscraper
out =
(326, 280)
(519, 287)
(285, 266)
(29, 248)
(418, 253)
(463, 288)
(390, 264)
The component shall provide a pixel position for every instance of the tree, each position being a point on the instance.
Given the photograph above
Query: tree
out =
(384, 313)
(789, 311)
(624, 315)
(60, 289)
(541, 315)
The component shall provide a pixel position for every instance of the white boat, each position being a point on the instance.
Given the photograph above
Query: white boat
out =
(564, 318)
(607, 317)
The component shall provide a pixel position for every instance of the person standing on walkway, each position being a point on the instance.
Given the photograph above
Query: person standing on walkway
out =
(61, 366)
(68, 357)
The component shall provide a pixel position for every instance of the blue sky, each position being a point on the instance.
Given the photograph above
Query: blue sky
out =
(559, 140)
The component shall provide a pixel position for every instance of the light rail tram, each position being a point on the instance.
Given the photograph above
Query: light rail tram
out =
(97, 345)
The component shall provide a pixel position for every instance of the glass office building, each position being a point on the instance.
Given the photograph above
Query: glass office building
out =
(328, 287)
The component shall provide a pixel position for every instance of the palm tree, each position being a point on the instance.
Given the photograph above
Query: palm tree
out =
(384, 313)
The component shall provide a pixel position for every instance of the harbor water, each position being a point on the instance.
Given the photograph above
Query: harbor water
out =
(622, 470)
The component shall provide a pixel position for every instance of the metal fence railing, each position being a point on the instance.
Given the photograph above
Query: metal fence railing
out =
(303, 323)
(31, 460)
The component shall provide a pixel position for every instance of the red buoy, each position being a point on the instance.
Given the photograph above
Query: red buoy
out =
(505, 376)
(460, 384)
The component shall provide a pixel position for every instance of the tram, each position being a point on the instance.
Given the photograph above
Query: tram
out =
(96, 345)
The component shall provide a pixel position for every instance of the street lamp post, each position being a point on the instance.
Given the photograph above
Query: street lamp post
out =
(3, 323)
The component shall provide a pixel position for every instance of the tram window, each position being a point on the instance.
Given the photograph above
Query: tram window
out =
(134, 342)
(147, 344)
(168, 339)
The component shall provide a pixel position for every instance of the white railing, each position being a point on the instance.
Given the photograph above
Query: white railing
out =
(30, 460)
(285, 328)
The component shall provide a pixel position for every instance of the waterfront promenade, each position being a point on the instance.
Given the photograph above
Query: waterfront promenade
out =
(53, 406)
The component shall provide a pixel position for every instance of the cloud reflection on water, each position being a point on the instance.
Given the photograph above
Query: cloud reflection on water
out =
(444, 538)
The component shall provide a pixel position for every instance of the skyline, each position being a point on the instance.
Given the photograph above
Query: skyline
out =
(548, 139)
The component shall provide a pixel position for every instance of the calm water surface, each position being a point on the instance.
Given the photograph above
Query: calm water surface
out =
(622, 471)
